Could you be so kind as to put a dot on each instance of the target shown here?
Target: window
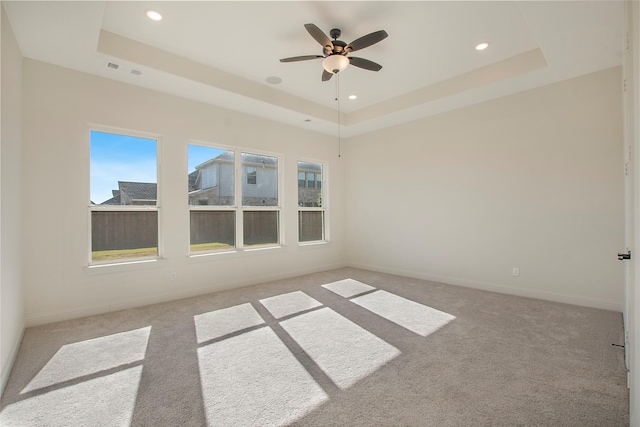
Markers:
(260, 203)
(123, 201)
(217, 223)
(252, 175)
(311, 212)
(211, 189)
(310, 180)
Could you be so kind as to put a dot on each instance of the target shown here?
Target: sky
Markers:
(126, 158)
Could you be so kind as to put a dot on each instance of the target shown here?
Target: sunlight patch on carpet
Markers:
(287, 304)
(216, 324)
(345, 352)
(104, 401)
(253, 379)
(416, 317)
(88, 357)
(348, 287)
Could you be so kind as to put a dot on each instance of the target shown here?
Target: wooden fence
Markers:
(213, 227)
(310, 225)
(123, 230)
(112, 230)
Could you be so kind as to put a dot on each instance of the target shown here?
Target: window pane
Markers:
(117, 235)
(124, 170)
(212, 230)
(260, 228)
(308, 196)
(310, 225)
(301, 178)
(262, 190)
(211, 176)
(252, 175)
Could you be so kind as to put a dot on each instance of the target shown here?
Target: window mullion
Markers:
(239, 203)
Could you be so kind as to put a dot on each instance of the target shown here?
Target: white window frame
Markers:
(238, 207)
(215, 208)
(128, 208)
(242, 209)
(325, 201)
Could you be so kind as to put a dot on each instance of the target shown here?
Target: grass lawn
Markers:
(118, 254)
(215, 246)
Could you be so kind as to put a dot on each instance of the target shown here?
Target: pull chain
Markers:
(338, 100)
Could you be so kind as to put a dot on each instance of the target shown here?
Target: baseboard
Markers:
(6, 369)
(58, 316)
(492, 287)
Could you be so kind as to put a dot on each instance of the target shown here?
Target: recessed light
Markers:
(274, 80)
(353, 96)
(153, 15)
(482, 46)
(307, 120)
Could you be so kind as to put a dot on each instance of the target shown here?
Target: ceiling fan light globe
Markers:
(335, 63)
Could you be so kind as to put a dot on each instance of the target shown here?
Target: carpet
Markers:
(346, 347)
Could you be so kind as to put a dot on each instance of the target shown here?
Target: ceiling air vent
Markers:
(124, 68)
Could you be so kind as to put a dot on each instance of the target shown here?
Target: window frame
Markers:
(238, 207)
(324, 197)
(242, 208)
(127, 208)
(252, 174)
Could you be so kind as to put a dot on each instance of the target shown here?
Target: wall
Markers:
(631, 68)
(11, 302)
(59, 105)
(533, 181)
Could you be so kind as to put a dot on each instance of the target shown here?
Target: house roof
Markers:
(115, 200)
(129, 191)
(138, 190)
(247, 159)
(308, 166)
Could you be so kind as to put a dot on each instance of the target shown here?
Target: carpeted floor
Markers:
(345, 348)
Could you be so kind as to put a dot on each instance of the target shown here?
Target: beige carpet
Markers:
(345, 348)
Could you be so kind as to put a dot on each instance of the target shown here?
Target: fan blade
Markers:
(364, 63)
(301, 58)
(366, 41)
(326, 76)
(320, 37)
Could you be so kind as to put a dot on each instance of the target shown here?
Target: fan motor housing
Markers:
(338, 47)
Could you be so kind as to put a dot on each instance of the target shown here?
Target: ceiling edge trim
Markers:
(136, 52)
(506, 69)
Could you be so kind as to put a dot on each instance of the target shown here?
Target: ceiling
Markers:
(222, 52)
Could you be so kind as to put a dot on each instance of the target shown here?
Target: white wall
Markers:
(11, 302)
(58, 106)
(533, 181)
(632, 137)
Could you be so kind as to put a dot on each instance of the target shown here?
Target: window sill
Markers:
(96, 269)
(316, 244)
(210, 256)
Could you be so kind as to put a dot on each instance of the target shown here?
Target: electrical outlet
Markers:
(516, 271)
(173, 275)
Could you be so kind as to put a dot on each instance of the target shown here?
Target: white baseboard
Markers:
(492, 287)
(58, 316)
(8, 366)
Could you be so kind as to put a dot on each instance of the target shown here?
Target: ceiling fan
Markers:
(335, 52)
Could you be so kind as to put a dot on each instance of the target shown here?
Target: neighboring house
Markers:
(212, 184)
(309, 184)
(212, 181)
(134, 193)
